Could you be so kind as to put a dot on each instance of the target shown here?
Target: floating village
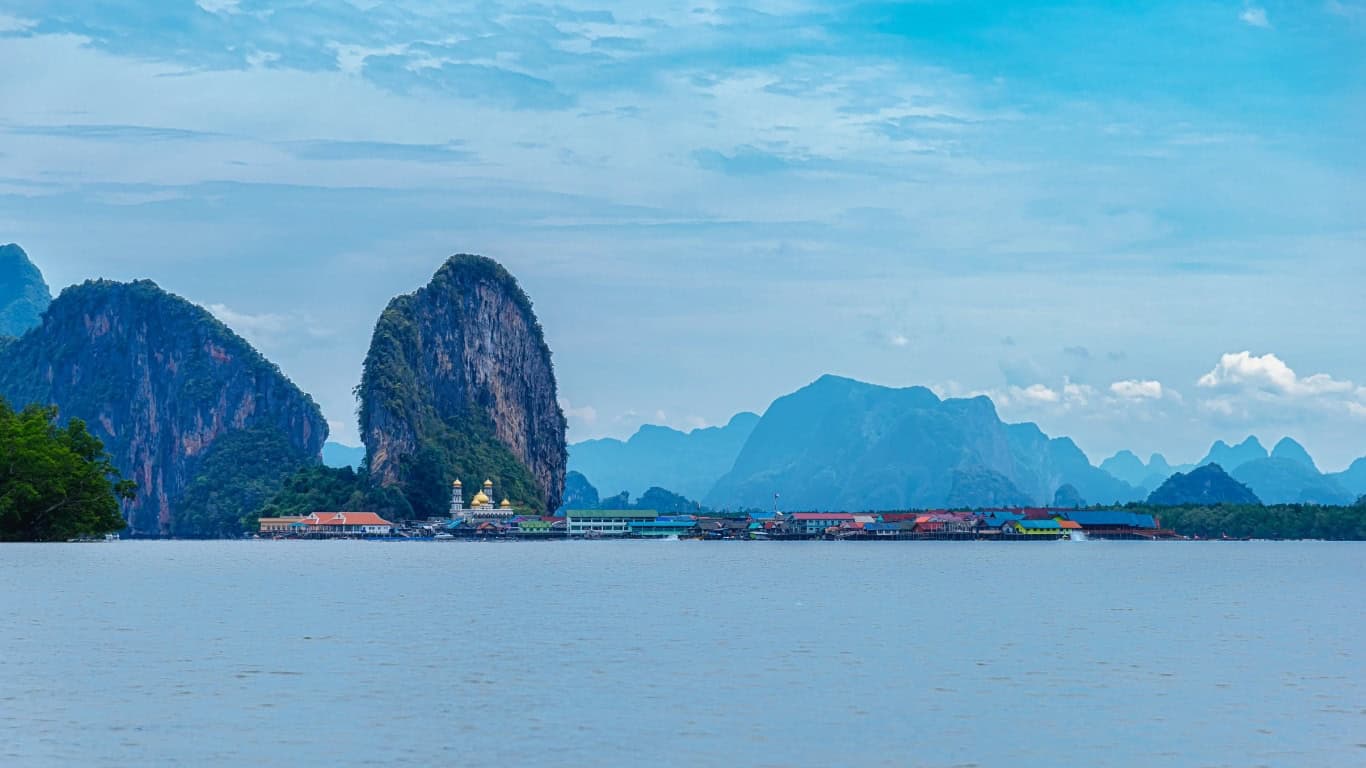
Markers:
(482, 518)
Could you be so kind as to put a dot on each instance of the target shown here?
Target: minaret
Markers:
(457, 498)
(488, 491)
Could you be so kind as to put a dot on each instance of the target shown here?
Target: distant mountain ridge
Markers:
(1230, 457)
(338, 456)
(24, 294)
(1291, 481)
(688, 463)
(1127, 466)
(843, 444)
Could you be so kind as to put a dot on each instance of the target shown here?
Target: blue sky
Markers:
(1087, 210)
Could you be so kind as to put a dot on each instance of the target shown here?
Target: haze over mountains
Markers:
(684, 462)
(843, 444)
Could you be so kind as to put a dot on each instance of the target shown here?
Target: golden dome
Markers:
(479, 499)
(456, 484)
(506, 504)
(488, 483)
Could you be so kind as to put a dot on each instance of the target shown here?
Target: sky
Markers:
(1138, 224)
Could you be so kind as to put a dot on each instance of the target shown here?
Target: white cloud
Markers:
(1356, 409)
(15, 24)
(898, 340)
(1269, 374)
(219, 6)
(267, 329)
(1077, 394)
(1255, 17)
(580, 416)
(1135, 389)
(1036, 393)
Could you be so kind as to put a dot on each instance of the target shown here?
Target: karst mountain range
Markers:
(458, 382)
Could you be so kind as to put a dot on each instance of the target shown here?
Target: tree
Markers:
(56, 483)
(317, 488)
(242, 471)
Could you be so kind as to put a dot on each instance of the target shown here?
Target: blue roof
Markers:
(1040, 525)
(761, 515)
(1112, 517)
(881, 527)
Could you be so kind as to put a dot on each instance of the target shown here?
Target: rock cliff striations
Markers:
(163, 384)
(458, 382)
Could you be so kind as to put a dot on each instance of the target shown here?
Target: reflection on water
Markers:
(699, 653)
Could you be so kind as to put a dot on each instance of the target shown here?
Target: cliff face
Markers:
(160, 381)
(23, 292)
(458, 382)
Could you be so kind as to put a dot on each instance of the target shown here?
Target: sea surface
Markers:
(683, 653)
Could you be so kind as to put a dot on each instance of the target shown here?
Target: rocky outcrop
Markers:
(458, 383)
(160, 382)
(23, 292)
(1206, 484)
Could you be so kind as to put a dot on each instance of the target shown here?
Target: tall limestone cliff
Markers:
(459, 383)
(23, 292)
(164, 385)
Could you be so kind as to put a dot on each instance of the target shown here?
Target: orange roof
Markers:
(1069, 524)
(349, 518)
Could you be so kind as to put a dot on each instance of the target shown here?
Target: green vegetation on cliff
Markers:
(458, 383)
(242, 471)
(160, 382)
(1207, 484)
(56, 482)
(325, 489)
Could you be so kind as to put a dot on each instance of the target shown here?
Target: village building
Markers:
(815, 523)
(343, 524)
(663, 526)
(605, 522)
(278, 525)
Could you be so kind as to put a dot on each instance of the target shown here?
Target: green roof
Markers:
(639, 514)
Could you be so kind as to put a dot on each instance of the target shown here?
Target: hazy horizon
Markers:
(1138, 226)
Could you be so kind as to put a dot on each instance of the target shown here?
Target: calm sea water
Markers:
(683, 653)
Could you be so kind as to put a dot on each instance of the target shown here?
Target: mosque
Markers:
(481, 506)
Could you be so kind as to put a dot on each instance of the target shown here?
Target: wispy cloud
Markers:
(1134, 389)
(110, 133)
(1254, 16)
(451, 152)
(268, 329)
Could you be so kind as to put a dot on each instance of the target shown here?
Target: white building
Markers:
(605, 522)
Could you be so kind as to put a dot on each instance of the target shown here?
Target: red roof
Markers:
(823, 516)
(347, 518)
(1069, 524)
